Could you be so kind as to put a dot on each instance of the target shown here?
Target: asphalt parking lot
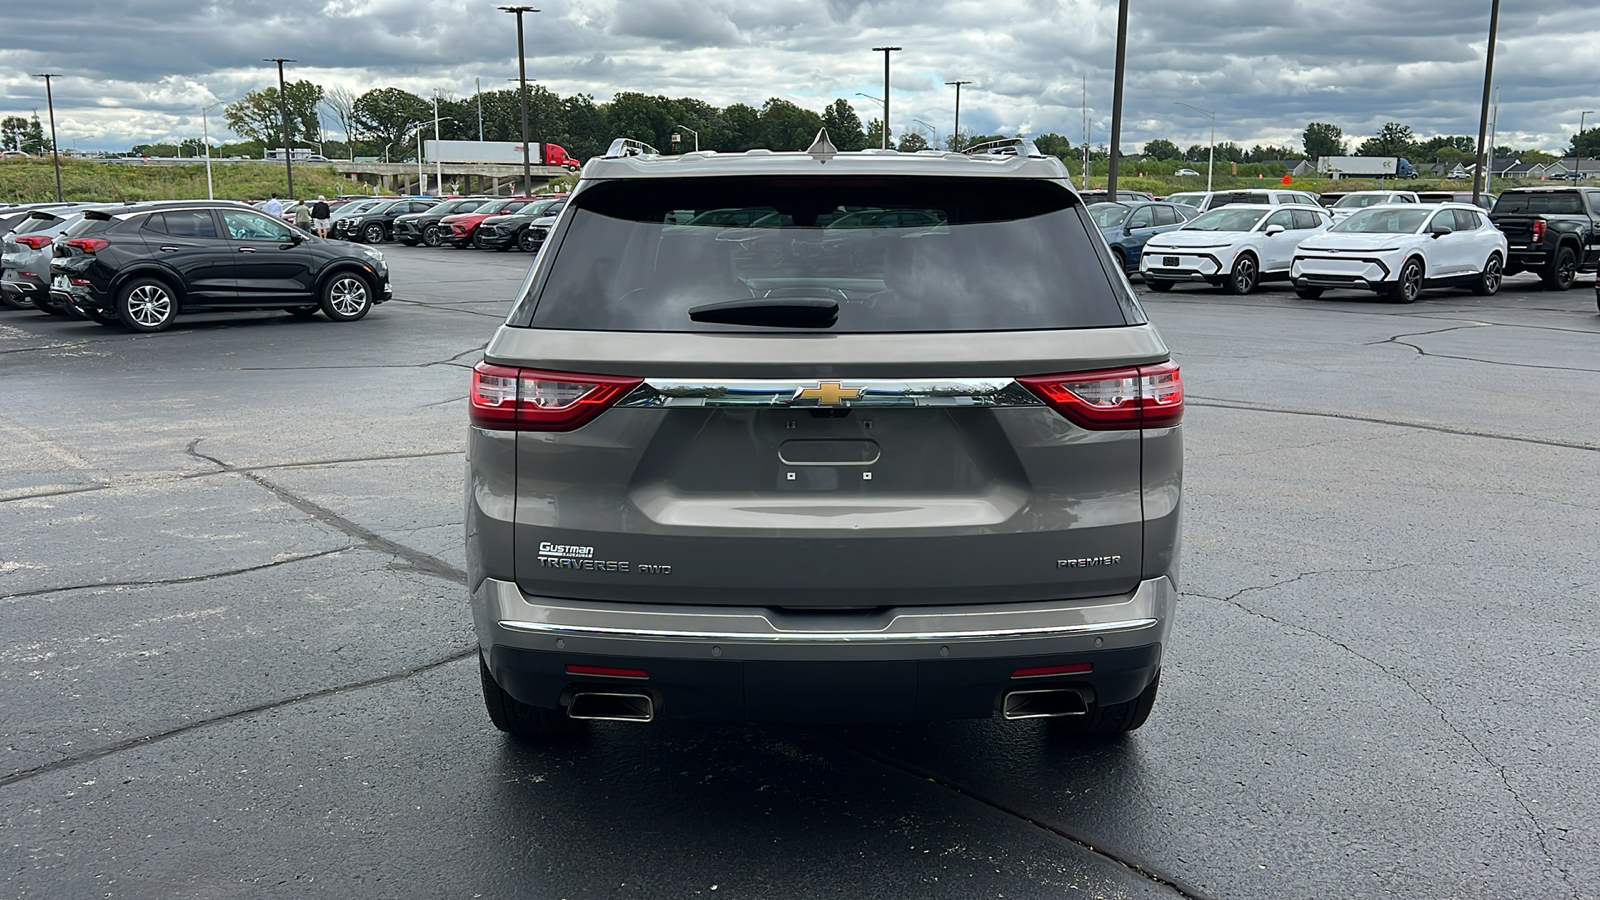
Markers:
(236, 654)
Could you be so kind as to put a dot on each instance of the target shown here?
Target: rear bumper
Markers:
(23, 291)
(756, 663)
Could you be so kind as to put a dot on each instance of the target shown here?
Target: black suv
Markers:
(377, 225)
(142, 265)
(412, 229)
(515, 229)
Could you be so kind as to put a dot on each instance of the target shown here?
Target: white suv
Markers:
(1399, 249)
(1235, 247)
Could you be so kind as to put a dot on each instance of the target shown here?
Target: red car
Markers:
(461, 230)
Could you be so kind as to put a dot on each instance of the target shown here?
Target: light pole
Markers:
(55, 152)
(1116, 99)
(283, 110)
(956, 135)
(205, 130)
(885, 51)
(931, 130)
(522, 76)
(877, 100)
(1483, 117)
(438, 158)
(691, 131)
(1211, 155)
(1577, 157)
(479, 83)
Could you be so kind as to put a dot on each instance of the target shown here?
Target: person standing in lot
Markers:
(320, 215)
(274, 206)
(302, 216)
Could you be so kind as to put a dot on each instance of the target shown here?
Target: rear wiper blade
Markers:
(773, 312)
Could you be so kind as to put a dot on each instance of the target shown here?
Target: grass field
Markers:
(30, 181)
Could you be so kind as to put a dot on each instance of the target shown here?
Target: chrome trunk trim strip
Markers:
(869, 393)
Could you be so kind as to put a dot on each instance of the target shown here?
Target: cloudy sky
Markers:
(140, 70)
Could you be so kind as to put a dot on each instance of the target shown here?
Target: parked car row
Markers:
(141, 265)
(486, 223)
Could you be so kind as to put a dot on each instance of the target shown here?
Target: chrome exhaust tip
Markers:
(610, 707)
(1044, 703)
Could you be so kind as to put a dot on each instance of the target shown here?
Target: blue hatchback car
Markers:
(1128, 226)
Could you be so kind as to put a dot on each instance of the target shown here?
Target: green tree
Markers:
(384, 116)
(1161, 148)
(34, 140)
(1433, 145)
(844, 126)
(258, 117)
(875, 133)
(12, 130)
(1532, 157)
(1585, 143)
(1393, 139)
(744, 126)
(1052, 144)
(785, 126)
(1323, 139)
(912, 141)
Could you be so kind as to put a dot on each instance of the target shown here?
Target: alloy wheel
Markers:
(149, 305)
(347, 295)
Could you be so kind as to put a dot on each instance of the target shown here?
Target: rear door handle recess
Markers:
(247, 249)
(169, 249)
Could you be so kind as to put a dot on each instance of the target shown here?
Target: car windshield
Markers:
(1192, 200)
(1360, 201)
(1226, 220)
(910, 254)
(1108, 215)
(459, 206)
(1384, 221)
(1555, 202)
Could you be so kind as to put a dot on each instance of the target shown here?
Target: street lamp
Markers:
(283, 110)
(885, 51)
(691, 131)
(956, 135)
(205, 130)
(522, 76)
(1211, 155)
(1483, 116)
(55, 152)
(931, 130)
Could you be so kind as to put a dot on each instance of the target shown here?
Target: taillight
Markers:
(1135, 397)
(88, 245)
(515, 399)
(1538, 231)
(34, 241)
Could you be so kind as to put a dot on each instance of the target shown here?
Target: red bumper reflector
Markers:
(1068, 669)
(606, 671)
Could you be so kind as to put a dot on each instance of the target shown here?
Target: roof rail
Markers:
(629, 147)
(1017, 146)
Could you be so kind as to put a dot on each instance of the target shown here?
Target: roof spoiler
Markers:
(629, 147)
(1017, 146)
(100, 214)
(42, 214)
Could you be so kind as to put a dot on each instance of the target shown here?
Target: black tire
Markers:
(409, 243)
(303, 312)
(517, 718)
(372, 234)
(1562, 271)
(46, 304)
(1120, 257)
(430, 236)
(346, 297)
(1159, 285)
(526, 242)
(147, 305)
(1308, 293)
(104, 318)
(1108, 723)
(1245, 277)
(1407, 285)
(11, 301)
(477, 241)
(1489, 280)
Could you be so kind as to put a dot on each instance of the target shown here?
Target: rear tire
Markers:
(1562, 271)
(10, 301)
(1408, 287)
(1108, 723)
(517, 718)
(104, 318)
(303, 312)
(1308, 293)
(1245, 276)
(147, 305)
(1159, 285)
(1489, 279)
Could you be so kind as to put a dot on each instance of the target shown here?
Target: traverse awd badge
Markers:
(827, 393)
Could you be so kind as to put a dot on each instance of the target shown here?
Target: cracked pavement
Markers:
(236, 655)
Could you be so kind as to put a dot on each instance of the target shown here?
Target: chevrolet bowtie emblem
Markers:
(827, 393)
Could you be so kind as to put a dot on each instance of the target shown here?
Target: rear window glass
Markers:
(889, 254)
(88, 225)
(38, 222)
(1557, 203)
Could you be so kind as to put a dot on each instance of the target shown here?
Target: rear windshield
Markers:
(37, 222)
(889, 254)
(1563, 203)
(88, 225)
(1231, 197)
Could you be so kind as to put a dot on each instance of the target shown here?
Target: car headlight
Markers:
(372, 254)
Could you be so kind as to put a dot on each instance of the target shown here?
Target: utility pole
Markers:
(522, 76)
(205, 131)
(956, 135)
(1494, 126)
(479, 82)
(283, 109)
(1483, 117)
(1211, 155)
(885, 51)
(55, 151)
(1116, 98)
(438, 158)
(1086, 132)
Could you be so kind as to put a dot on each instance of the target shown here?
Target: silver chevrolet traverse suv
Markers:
(902, 446)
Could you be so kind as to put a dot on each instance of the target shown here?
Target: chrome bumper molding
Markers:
(869, 393)
(1139, 610)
